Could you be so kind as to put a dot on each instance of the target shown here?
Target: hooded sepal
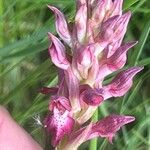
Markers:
(57, 53)
(61, 25)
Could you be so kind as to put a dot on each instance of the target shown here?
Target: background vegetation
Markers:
(25, 67)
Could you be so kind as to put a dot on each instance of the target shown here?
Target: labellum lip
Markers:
(58, 125)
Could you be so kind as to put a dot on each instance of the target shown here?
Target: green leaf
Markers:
(140, 46)
(129, 3)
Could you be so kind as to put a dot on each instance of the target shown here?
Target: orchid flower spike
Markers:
(85, 53)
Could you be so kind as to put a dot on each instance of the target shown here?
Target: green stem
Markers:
(93, 143)
(1, 23)
(1, 44)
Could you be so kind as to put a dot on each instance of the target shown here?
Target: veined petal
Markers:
(81, 22)
(61, 25)
(108, 126)
(115, 27)
(118, 59)
(121, 26)
(57, 52)
(122, 82)
(47, 90)
(93, 72)
(58, 125)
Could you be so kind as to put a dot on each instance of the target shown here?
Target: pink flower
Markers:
(94, 50)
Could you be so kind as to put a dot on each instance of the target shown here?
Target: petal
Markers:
(122, 82)
(61, 25)
(58, 125)
(121, 26)
(47, 90)
(92, 97)
(107, 29)
(73, 89)
(57, 53)
(81, 22)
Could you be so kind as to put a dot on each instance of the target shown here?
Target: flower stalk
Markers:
(90, 49)
(93, 142)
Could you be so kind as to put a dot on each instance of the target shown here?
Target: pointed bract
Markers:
(123, 82)
(108, 126)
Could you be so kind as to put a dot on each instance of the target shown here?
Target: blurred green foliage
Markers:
(25, 67)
